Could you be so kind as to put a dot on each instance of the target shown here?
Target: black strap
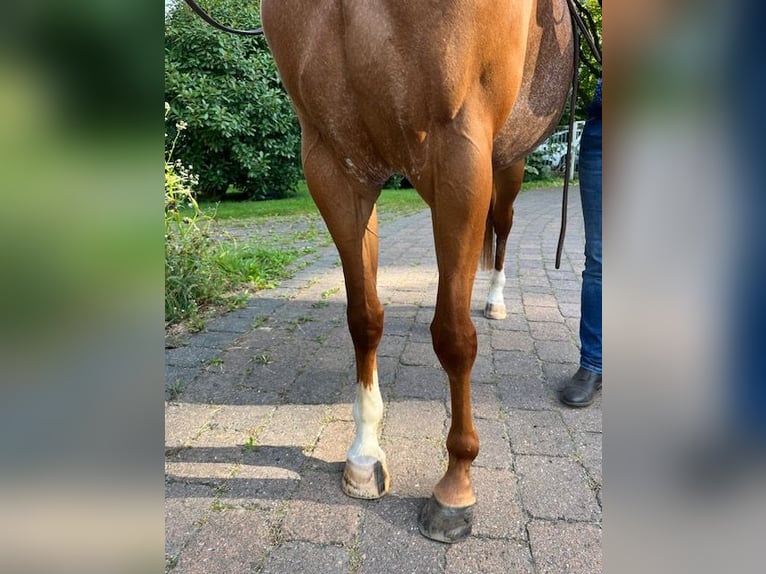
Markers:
(216, 24)
(570, 138)
(588, 30)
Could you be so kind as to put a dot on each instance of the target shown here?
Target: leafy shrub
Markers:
(546, 162)
(189, 279)
(242, 131)
(397, 181)
(201, 270)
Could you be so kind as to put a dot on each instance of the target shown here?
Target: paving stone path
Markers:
(258, 420)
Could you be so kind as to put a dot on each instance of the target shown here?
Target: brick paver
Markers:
(258, 420)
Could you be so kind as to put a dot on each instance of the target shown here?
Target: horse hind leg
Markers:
(507, 184)
(348, 208)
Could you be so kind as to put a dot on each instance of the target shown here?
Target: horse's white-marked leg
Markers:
(507, 185)
(366, 474)
(348, 207)
(495, 307)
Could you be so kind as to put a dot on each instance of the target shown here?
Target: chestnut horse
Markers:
(451, 94)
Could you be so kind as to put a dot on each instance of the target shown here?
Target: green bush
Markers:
(202, 270)
(190, 280)
(241, 129)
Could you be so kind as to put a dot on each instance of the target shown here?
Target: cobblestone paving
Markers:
(258, 420)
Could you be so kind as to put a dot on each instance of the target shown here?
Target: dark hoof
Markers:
(443, 523)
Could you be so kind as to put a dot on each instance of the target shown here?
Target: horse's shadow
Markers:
(265, 476)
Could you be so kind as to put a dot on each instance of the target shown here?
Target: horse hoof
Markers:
(444, 523)
(365, 477)
(496, 312)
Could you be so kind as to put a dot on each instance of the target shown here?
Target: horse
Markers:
(453, 95)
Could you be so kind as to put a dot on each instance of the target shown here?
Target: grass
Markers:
(300, 204)
(215, 276)
(391, 201)
(394, 201)
(250, 445)
(557, 182)
(207, 276)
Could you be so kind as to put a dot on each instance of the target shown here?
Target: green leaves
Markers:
(242, 131)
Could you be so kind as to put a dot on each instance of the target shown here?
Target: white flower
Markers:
(182, 125)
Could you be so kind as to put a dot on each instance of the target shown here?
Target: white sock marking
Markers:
(368, 412)
(496, 286)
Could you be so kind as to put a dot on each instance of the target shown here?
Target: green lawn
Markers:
(391, 202)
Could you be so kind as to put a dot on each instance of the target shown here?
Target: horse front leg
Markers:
(462, 190)
(365, 474)
(507, 187)
(348, 208)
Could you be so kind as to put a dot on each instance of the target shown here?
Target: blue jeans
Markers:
(590, 195)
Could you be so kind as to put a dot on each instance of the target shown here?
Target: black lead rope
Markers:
(578, 27)
(570, 138)
(216, 24)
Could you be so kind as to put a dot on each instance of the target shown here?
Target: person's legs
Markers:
(590, 195)
(579, 392)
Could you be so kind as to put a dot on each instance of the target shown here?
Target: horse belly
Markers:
(545, 84)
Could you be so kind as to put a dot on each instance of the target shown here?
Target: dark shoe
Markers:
(580, 391)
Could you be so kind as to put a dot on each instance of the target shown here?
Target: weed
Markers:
(276, 533)
(307, 235)
(355, 556)
(330, 292)
(237, 301)
(174, 390)
(170, 563)
(220, 489)
(319, 304)
(258, 322)
(293, 324)
(250, 445)
(219, 506)
(201, 270)
(263, 359)
(196, 324)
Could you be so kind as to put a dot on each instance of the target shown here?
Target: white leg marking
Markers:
(495, 307)
(368, 412)
(365, 474)
(496, 286)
